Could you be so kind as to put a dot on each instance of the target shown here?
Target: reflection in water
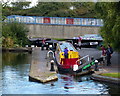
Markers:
(73, 86)
(67, 81)
(15, 80)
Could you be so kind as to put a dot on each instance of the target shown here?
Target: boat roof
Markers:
(51, 41)
(64, 44)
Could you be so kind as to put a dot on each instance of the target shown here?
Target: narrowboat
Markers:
(72, 63)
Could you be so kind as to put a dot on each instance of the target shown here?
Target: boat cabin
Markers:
(73, 55)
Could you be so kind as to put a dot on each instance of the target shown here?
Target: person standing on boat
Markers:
(66, 52)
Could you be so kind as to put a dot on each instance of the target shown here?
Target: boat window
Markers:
(68, 45)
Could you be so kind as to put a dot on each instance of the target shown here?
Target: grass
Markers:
(114, 75)
(59, 39)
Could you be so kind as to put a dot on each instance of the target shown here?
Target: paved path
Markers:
(115, 63)
(115, 66)
(90, 51)
(40, 67)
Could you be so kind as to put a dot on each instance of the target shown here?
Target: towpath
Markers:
(40, 67)
(115, 66)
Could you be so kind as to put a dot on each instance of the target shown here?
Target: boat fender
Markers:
(75, 67)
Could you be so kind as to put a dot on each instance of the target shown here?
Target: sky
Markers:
(34, 2)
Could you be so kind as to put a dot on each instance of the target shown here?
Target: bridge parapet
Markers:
(55, 20)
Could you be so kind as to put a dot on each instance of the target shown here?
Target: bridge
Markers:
(58, 27)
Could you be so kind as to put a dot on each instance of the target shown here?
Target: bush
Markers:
(14, 33)
(8, 42)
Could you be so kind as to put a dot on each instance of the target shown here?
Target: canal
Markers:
(15, 80)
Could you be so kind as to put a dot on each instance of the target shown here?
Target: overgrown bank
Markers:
(109, 12)
(14, 35)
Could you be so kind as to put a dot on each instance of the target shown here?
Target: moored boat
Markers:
(72, 63)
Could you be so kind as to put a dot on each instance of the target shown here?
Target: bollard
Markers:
(52, 65)
(42, 47)
(47, 46)
(47, 64)
(92, 58)
(96, 65)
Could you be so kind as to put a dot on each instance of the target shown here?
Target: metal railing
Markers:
(87, 56)
(55, 20)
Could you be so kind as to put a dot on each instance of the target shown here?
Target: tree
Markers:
(14, 33)
(5, 10)
(62, 9)
(53, 9)
(84, 9)
(47, 8)
(17, 8)
(110, 14)
(20, 5)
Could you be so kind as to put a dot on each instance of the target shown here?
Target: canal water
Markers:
(15, 80)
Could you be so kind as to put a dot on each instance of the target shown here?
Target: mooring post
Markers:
(42, 47)
(92, 58)
(52, 65)
(96, 65)
(47, 46)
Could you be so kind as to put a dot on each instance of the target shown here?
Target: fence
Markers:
(55, 20)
